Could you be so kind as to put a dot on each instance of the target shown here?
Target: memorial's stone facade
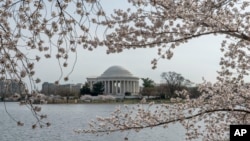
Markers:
(117, 81)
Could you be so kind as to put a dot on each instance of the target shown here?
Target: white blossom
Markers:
(161, 24)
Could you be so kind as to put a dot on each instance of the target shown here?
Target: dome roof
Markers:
(116, 71)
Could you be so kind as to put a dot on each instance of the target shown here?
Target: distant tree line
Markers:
(173, 82)
(167, 90)
(98, 88)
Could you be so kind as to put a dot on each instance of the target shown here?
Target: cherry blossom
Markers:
(37, 27)
(167, 25)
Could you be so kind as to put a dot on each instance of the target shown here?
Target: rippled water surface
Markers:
(67, 117)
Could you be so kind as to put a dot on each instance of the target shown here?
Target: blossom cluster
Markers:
(33, 30)
(166, 25)
(219, 106)
(30, 30)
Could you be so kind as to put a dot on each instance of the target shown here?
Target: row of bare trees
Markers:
(173, 82)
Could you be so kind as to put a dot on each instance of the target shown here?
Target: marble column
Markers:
(119, 86)
(104, 82)
(137, 87)
(123, 87)
(116, 87)
(113, 86)
(107, 87)
(128, 89)
(133, 84)
(132, 88)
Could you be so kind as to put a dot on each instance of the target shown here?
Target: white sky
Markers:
(194, 60)
(197, 59)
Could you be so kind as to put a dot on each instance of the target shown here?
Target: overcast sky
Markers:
(197, 59)
(194, 60)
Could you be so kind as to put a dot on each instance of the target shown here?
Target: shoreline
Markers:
(125, 101)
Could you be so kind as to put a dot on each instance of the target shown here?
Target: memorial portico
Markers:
(117, 81)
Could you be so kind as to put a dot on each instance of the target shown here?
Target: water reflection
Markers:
(65, 118)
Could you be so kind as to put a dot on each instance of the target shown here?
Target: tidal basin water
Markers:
(67, 117)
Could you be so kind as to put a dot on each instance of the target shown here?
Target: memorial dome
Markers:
(117, 81)
(116, 71)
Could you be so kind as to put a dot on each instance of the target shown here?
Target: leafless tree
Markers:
(174, 82)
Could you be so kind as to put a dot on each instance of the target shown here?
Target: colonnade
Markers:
(120, 86)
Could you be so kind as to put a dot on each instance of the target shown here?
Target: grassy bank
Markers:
(123, 101)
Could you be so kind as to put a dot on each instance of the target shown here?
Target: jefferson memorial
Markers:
(117, 81)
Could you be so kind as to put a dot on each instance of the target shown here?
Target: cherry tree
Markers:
(31, 30)
(166, 25)
(34, 30)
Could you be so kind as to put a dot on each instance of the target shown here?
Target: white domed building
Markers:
(117, 81)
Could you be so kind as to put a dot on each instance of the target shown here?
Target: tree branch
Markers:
(176, 120)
